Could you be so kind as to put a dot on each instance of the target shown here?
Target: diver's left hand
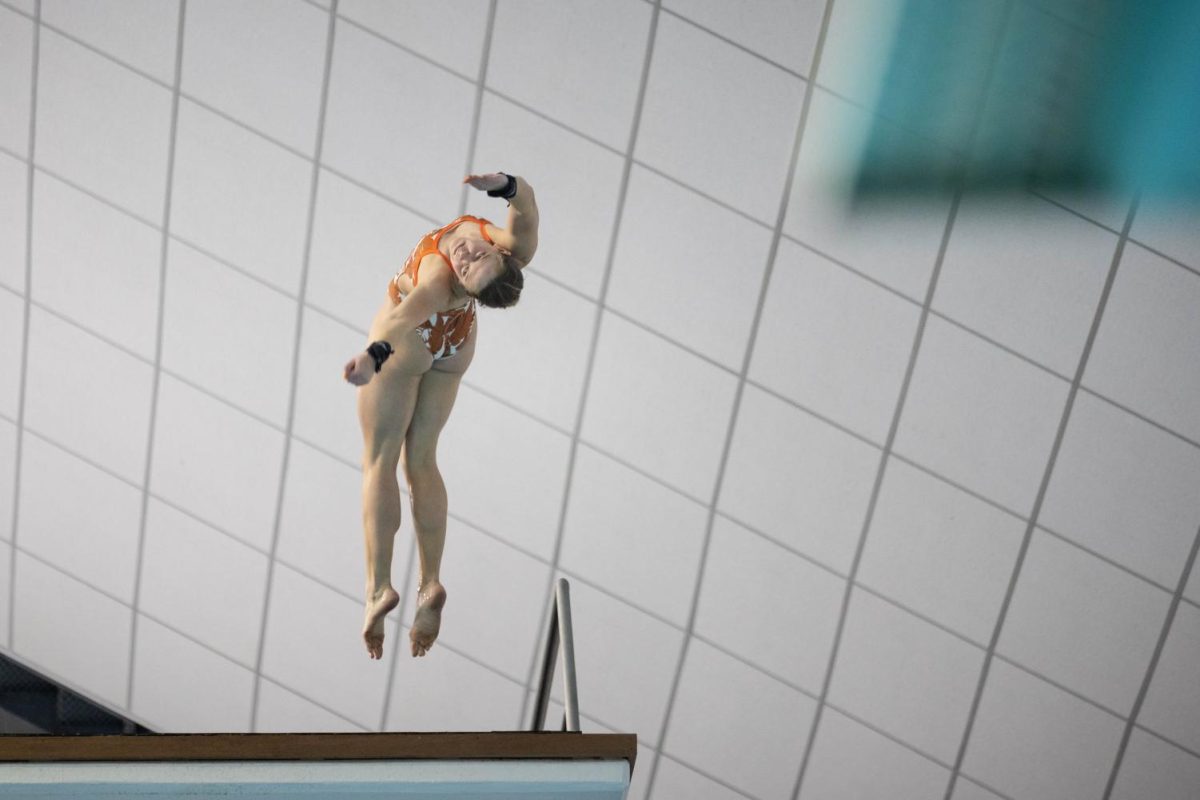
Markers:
(487, 182)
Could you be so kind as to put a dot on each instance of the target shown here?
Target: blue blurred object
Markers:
(1089, 95)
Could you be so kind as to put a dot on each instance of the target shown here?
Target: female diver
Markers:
(420, 345)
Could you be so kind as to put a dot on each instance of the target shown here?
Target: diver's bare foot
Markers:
(378, 606)
(428, 619)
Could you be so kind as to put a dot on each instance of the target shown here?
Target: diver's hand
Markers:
(359, 370)
(488, 182)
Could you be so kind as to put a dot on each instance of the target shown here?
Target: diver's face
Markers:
(476, 263)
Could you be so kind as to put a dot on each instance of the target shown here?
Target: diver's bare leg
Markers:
(385, 409)
(439, 387)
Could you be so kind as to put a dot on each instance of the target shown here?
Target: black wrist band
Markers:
(508, 191)
(380, 352)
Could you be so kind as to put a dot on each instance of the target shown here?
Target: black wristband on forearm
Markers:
(380, 352)
(508, 191)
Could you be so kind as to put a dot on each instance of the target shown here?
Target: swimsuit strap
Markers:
(436, 237)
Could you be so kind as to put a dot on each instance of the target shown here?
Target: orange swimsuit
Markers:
(445, 331)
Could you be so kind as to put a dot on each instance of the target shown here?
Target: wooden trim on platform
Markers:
(321, 747)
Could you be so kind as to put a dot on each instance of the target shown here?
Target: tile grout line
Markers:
(918, 338)
(1130, 240)
(477, 114)
(1144, 690)
(593, 585)
(295, 371)
(1037, 504)
(1033, 192)
(885, 457)
(20, 422)
(740, 389)
(156, 370)
(593, 348)
(406, 585)
(211, 394)
(92, 695)
(245, 273)
(582, 579)
(766, 536)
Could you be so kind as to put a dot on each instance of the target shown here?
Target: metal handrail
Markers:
(559, 630)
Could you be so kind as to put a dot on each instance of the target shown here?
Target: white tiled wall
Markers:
(721, 408)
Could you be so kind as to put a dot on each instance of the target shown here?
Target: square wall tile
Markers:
(618, 647)
(747, 729)
(1033, 740)
(218, 694)
(797, 479)
(1172, 707)
(8, 477)
(833, 342)
(320, 524)
(905, 676)
(675, 425)
(709, 103)
(746, 576)
(980, 417)
(577, 42)
(216, 463)
(673, 779)
(1125, 489)
(102, 126)
(1169, 226)
(239, 197)
(1027, 275)
(281, 710)
(96, 265)
(535, 355)
(504, 471)
(494, 598)
(397, 123)
(359, 243)
(70, 632)
(12, 349)
(16, 80)
(636, 538)
(14, 197)
(1147, 352)
(112, 426)
(1154, 768)
(142, 33)
(460, 694)
(939, 551)
(450, 33)
(326, 412)
(783, 31)
(1083, 623)
(573, 246)
(78, 518)
(202, 582)
(263, 63)
(314, 647)
(851, 760)
(679, 285)
(215, 324)
(894, 245)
